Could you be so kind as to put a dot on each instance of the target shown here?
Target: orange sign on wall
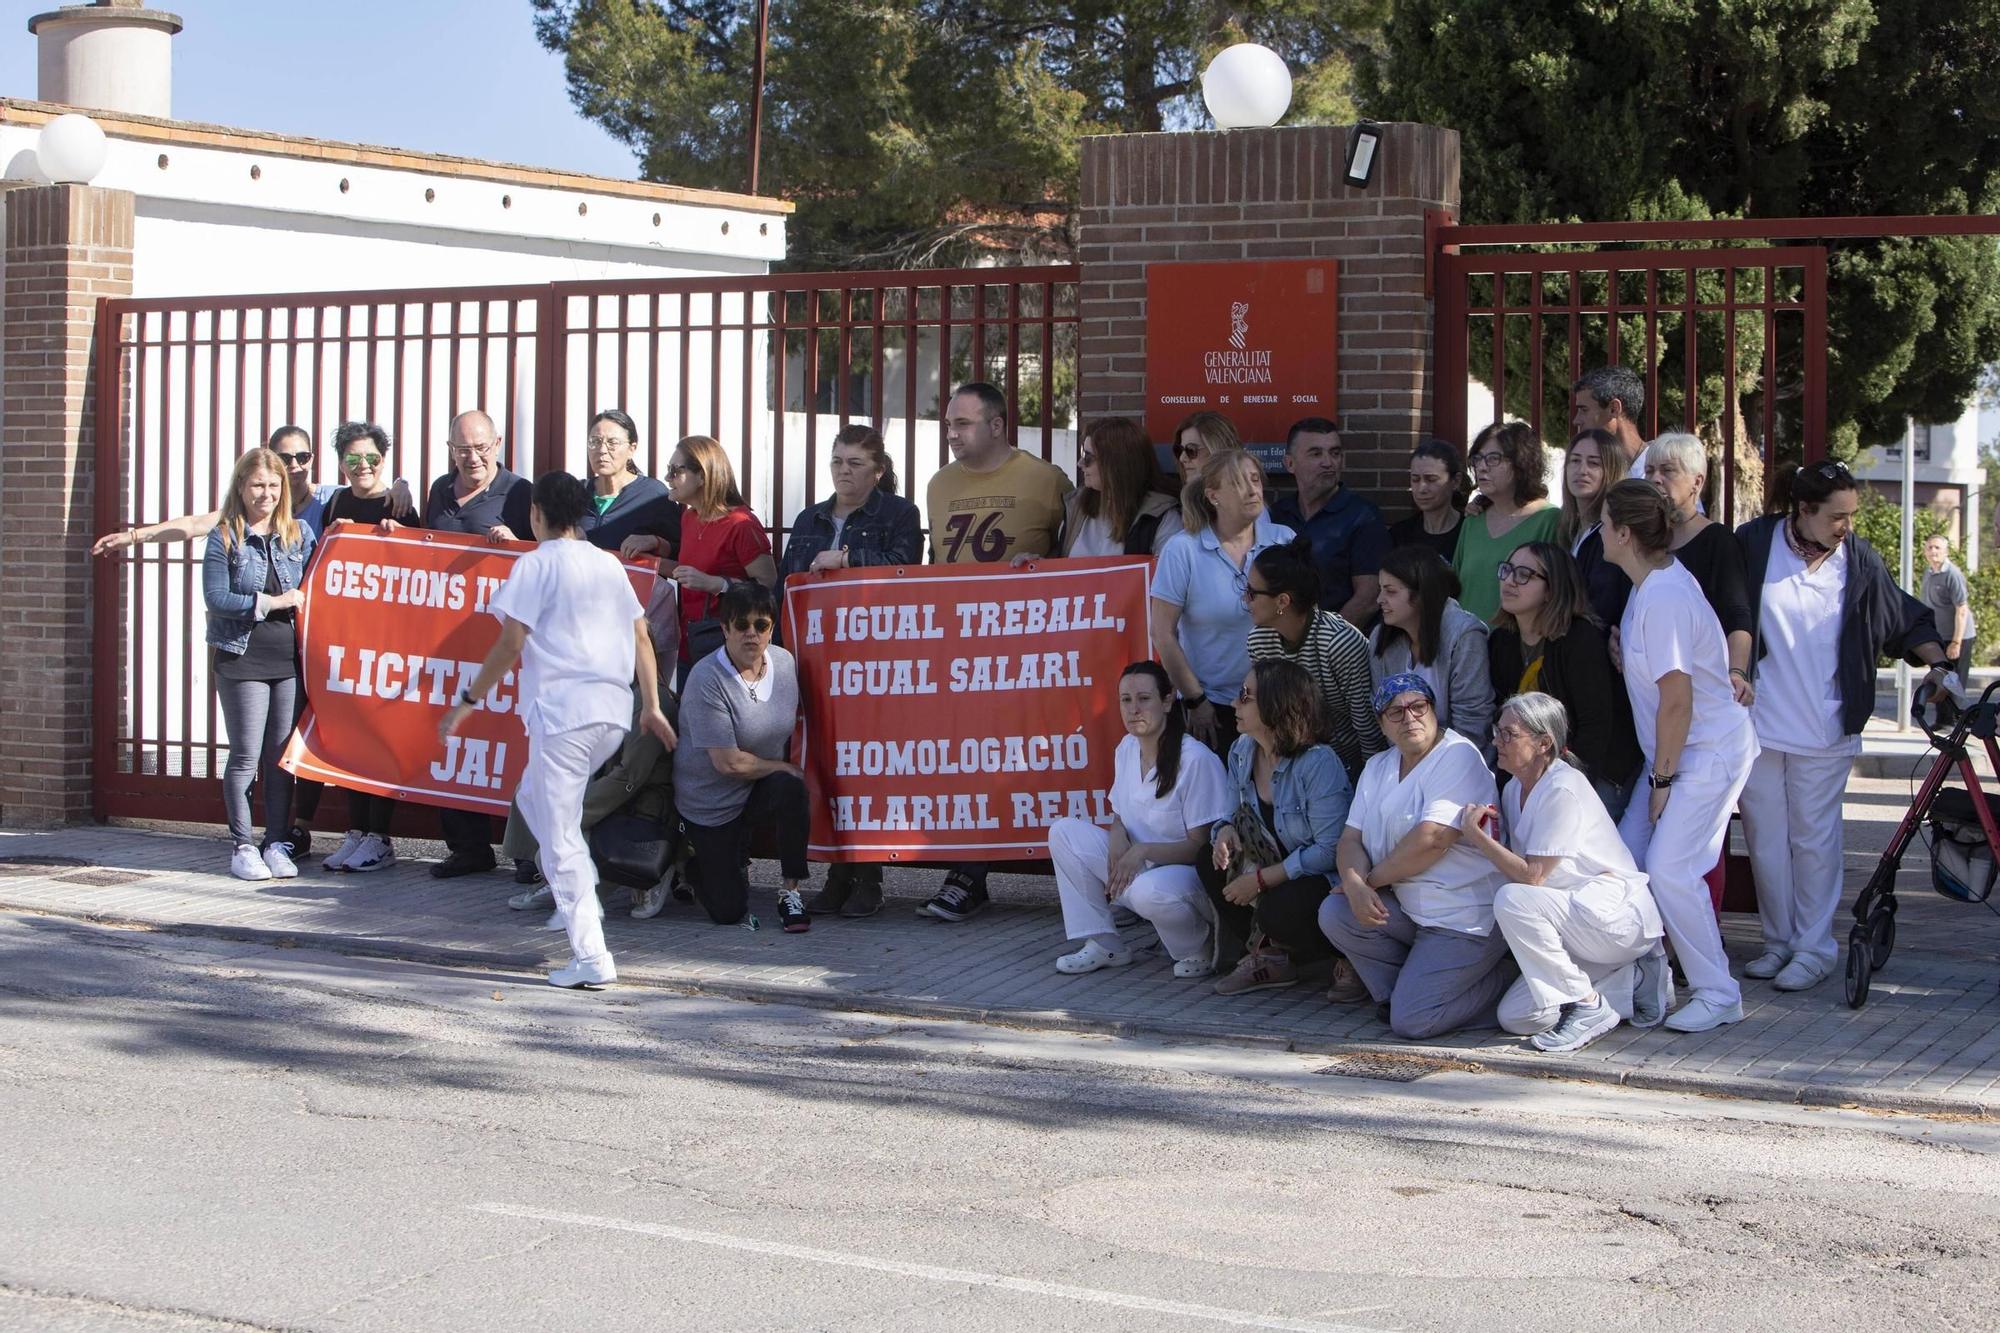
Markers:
(1256, 341)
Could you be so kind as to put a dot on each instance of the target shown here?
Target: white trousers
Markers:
(550, 798)
(1170, 897)
(1792, 821)
(1684, 846)
(1566, 950)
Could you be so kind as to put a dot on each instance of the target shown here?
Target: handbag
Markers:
(633, 850)
(1256, 847)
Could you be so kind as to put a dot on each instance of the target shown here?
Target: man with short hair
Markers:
(1347, 533)
(479, 496)
(1611, 399)
(1946, 594)
(991, 503)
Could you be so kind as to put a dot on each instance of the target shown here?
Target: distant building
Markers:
(1947, 471)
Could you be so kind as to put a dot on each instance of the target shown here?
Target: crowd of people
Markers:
(1474, 768)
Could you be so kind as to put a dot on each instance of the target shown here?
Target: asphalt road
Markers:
(212, 1136)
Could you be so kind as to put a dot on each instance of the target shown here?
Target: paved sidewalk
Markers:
(1928, 1040)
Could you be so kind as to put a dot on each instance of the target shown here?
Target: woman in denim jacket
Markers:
(1283, 784)
(250, 580)
(864, 521)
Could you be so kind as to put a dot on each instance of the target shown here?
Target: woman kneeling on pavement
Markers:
(1168, 790)
(1415, 910)
(1575, 910)
(1271, 858)
(731, 776)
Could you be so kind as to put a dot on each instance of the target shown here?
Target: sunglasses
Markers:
(302, 459)
(682, 470)
(1190, 452)
(1416, 708)
(1518, 574)
(1832, 470)
(745, 625)
(361, 460)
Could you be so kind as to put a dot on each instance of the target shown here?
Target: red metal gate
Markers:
(772, 365)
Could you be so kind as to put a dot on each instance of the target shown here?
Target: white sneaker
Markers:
(278, 860)
(648, 902)
(1766, 965)
(1699, 1015)
(529, 899)
(1652, 987)
(1091, 957)
(577, 975)
(338, 858)
(248, 864)
(374, 853)
(1805, 971)
(555, 922)
(1581, 1024)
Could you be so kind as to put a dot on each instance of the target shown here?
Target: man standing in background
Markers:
(1949, 599)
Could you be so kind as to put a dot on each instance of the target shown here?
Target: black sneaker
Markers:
(866, 900)
(526, 871)
(299, 839)
(792, 913)
(463, 863)
(960, 897)
(839, 886)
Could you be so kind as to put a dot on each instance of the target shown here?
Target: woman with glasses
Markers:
(623, 500)
(1200, 435)
(569, 618)
(1576, 912)
(1115, 509)
(732, 776)
(1424, 630)
(1283, 597)
(1268, 868)
(1547, 640)
(864, 522)
(1593, 461)
(1414, 913)
(1823, 609)
(1437, 500)
(1201, 626)
(1696, 737)
(362, 448)
(1508, 466)
(1678, 465)
(721, 540)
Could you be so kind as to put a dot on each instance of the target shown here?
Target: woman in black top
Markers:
(1678, 465)
(623, 500)
(362, 450)
(1437, 495)
(1594, 460)
(1547, 639)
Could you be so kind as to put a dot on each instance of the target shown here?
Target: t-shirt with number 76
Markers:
(986, 517)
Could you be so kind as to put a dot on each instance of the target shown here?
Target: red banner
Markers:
(955, 712)
(392, 628)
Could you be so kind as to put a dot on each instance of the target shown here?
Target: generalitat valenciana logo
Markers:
(1241, 363)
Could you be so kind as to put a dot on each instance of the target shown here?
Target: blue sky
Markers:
(448, 76)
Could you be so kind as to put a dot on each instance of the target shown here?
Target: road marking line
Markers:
(1028, 1286)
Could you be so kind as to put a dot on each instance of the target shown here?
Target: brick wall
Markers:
(66, 246)
(1274, 194)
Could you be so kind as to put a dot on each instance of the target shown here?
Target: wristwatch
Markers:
(466, 697)
(1659, 780)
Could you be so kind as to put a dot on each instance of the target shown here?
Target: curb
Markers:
(1517, 1064)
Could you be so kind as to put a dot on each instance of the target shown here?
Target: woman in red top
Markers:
(721, 540)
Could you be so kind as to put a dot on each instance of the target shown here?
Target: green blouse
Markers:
(1479, 556)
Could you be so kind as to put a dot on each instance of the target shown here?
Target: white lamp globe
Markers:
(1246, 86)
(71, 149)
(27, 167)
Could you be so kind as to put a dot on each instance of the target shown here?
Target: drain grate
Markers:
(104, 879)
(40, 865)
(1387, 1068)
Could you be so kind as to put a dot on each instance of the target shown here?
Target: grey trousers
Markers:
(258, 717)
(1435, 981)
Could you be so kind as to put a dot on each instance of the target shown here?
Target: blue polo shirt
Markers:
(1348, 538)
(1214, 628)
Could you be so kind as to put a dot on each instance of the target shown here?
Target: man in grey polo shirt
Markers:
(1949, 599)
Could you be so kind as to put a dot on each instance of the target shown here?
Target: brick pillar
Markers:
(1274, 194)
(66, 246)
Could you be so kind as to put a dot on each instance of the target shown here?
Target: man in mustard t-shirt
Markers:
(993, 502)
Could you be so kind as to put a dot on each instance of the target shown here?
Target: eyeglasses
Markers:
(1190, 452)
(358, 461)
(1518, 574)
(470, 450)
(1086, 459)
(599, 444)
(1508, 735)
(1412, 710)
(1251, 592)
(745, 625)
(682, 469)
(1493, 459)
(301, 459)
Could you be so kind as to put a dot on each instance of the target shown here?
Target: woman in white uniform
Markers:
(1696, 737)
(1822, 608)
(569, 615)
(1167, 790)
(1575, 910)
(1414, 914)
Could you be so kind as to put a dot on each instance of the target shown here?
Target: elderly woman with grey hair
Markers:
(1678, 465)
(1576, 908)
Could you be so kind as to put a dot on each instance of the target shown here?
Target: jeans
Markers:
(776, 799)
(257, 714)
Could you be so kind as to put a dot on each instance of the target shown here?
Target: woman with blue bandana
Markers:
(1414, 914)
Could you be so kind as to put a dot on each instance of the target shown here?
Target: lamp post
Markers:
(1246, 86)
(757, 90)
(71, 149)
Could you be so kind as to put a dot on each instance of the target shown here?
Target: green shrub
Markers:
(1879, 522)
